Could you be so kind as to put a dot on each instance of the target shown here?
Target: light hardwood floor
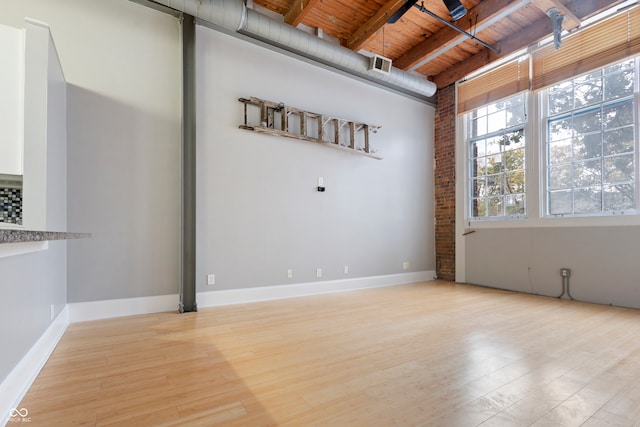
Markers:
(427, 354)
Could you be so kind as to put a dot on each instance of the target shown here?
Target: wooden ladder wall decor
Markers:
(281, 120)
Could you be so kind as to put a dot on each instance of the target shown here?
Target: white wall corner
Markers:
(16, 384)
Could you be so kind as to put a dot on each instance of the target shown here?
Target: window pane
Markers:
(494, 145)
(479, 148)
(620, 66)
(514, 159)
(494, 164)
(514, 204)
(495, 206)
(479, 126)
(587, 173)
(516, 114)
(560, 130)
(619, 141)
(560, 152)
(497, 121)
(492, 108)
(618, 197)
(479, 208)
(587, 200)
(514, 182)
(618, 81)
(617, 115)
(495, 185)
(588, 90)
(561, 98)
(587, 146)
(587, 122)
(479, 187)
(560, 202)
(513, 140)
(560, 177)
(619, 169)
(479, 167)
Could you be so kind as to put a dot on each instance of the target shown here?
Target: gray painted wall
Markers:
(259, 213)
(124, 151)
(603, 260)
(123, 167)
(122, 63)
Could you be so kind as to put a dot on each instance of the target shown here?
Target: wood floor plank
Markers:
(424, 354)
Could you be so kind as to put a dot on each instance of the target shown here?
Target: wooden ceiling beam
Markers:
(445, 38)
(526, 37)
(298, 10)
(366, 31)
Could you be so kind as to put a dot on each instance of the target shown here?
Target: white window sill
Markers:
(586, 221)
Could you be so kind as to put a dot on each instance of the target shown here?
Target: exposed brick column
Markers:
(445, 183)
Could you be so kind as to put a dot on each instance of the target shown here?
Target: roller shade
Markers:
(595, 47)
(499, 83)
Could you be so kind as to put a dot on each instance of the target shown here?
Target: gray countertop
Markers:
(19, 236)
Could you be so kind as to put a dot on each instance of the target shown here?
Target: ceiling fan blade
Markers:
(405, 7)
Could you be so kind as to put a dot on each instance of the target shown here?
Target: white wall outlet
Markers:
(346, 269)
(406, 265)
(52, 312)
(211, 279)
(318, 272)
(320, 181)
(289, 273)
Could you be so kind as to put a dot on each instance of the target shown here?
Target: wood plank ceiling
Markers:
(419, 42)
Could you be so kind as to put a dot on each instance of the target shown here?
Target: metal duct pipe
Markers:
(233, 15)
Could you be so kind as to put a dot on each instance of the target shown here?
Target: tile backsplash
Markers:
(11, 205)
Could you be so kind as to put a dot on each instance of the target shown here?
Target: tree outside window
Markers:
(591, 143)
(497, 155)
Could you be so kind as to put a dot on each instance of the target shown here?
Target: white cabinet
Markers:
(11, 100)
(33, 133)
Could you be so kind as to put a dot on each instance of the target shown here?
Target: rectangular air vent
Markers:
(380, 64)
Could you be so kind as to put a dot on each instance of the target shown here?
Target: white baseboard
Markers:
(240, 296)
(106, 309)
(16, 384)
(95, 310)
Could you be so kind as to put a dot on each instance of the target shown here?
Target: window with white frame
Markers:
(591, 147)
(497, 144)
(584, 134)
